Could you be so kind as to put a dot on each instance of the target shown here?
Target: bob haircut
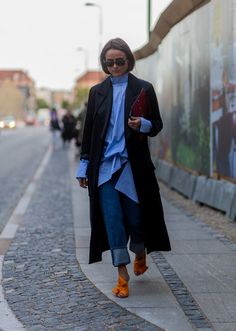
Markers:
(120, 45)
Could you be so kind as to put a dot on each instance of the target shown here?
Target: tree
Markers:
(41, 103)
(80, 97)
(65, 104)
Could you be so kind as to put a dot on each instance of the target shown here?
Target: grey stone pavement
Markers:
(48, 284)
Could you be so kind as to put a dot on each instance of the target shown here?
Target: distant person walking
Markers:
(68, 128)
(54, 128)
(80, 120)
(115, 165)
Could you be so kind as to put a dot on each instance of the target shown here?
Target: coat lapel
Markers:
(132, 92)
(103, 91)
(104, 105)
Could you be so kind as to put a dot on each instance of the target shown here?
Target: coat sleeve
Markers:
(155, 116)
(88, 126)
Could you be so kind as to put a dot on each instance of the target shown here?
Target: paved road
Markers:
(21, 151)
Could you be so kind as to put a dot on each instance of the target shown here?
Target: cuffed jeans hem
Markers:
(120, 256)
(137, 248)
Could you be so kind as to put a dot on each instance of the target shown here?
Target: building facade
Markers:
(17, 93)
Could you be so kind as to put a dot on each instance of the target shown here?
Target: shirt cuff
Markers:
(146, 125)
(82, 169)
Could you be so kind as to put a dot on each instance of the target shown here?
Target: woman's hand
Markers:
(83, 182)
(134, 123)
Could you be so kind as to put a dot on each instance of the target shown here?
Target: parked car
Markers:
(30, 118)
(8, 122)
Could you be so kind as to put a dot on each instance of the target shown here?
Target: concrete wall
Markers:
(218, 194)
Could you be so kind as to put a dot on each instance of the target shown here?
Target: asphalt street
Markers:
(21, 151)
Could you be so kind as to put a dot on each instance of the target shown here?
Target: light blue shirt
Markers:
(115, 152)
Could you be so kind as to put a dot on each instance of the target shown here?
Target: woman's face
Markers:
(116, 62)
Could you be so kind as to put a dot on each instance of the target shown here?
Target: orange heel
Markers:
(140, 265)
(122, 288)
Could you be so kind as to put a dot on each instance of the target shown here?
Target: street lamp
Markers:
(92, 4)
(81, 49)
(149, 18)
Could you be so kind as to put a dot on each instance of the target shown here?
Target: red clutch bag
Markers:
(140, 105)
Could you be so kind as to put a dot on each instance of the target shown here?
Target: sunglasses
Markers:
(119, 62)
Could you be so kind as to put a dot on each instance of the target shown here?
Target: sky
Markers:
(55, 41)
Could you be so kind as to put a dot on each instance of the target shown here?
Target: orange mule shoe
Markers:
(122, 288)
(140, 265)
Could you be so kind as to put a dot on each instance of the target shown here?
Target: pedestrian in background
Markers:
(54, 127)
(116, 166)
(68, 129)
(80, 120)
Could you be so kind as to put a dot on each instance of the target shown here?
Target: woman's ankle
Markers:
(140, 256)
(123, 272)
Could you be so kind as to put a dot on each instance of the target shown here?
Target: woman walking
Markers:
(115, 165)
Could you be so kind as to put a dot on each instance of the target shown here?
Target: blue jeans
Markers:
(116, 209)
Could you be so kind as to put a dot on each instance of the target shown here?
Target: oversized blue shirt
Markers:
(115, 153)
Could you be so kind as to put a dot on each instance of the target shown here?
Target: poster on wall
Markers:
(183, 80)
(223, 88)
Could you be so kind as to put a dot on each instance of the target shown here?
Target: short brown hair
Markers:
(120, 45)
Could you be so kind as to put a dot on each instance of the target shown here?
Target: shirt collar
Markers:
(120, 79)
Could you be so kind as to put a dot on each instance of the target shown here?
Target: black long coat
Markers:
(96, 123)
